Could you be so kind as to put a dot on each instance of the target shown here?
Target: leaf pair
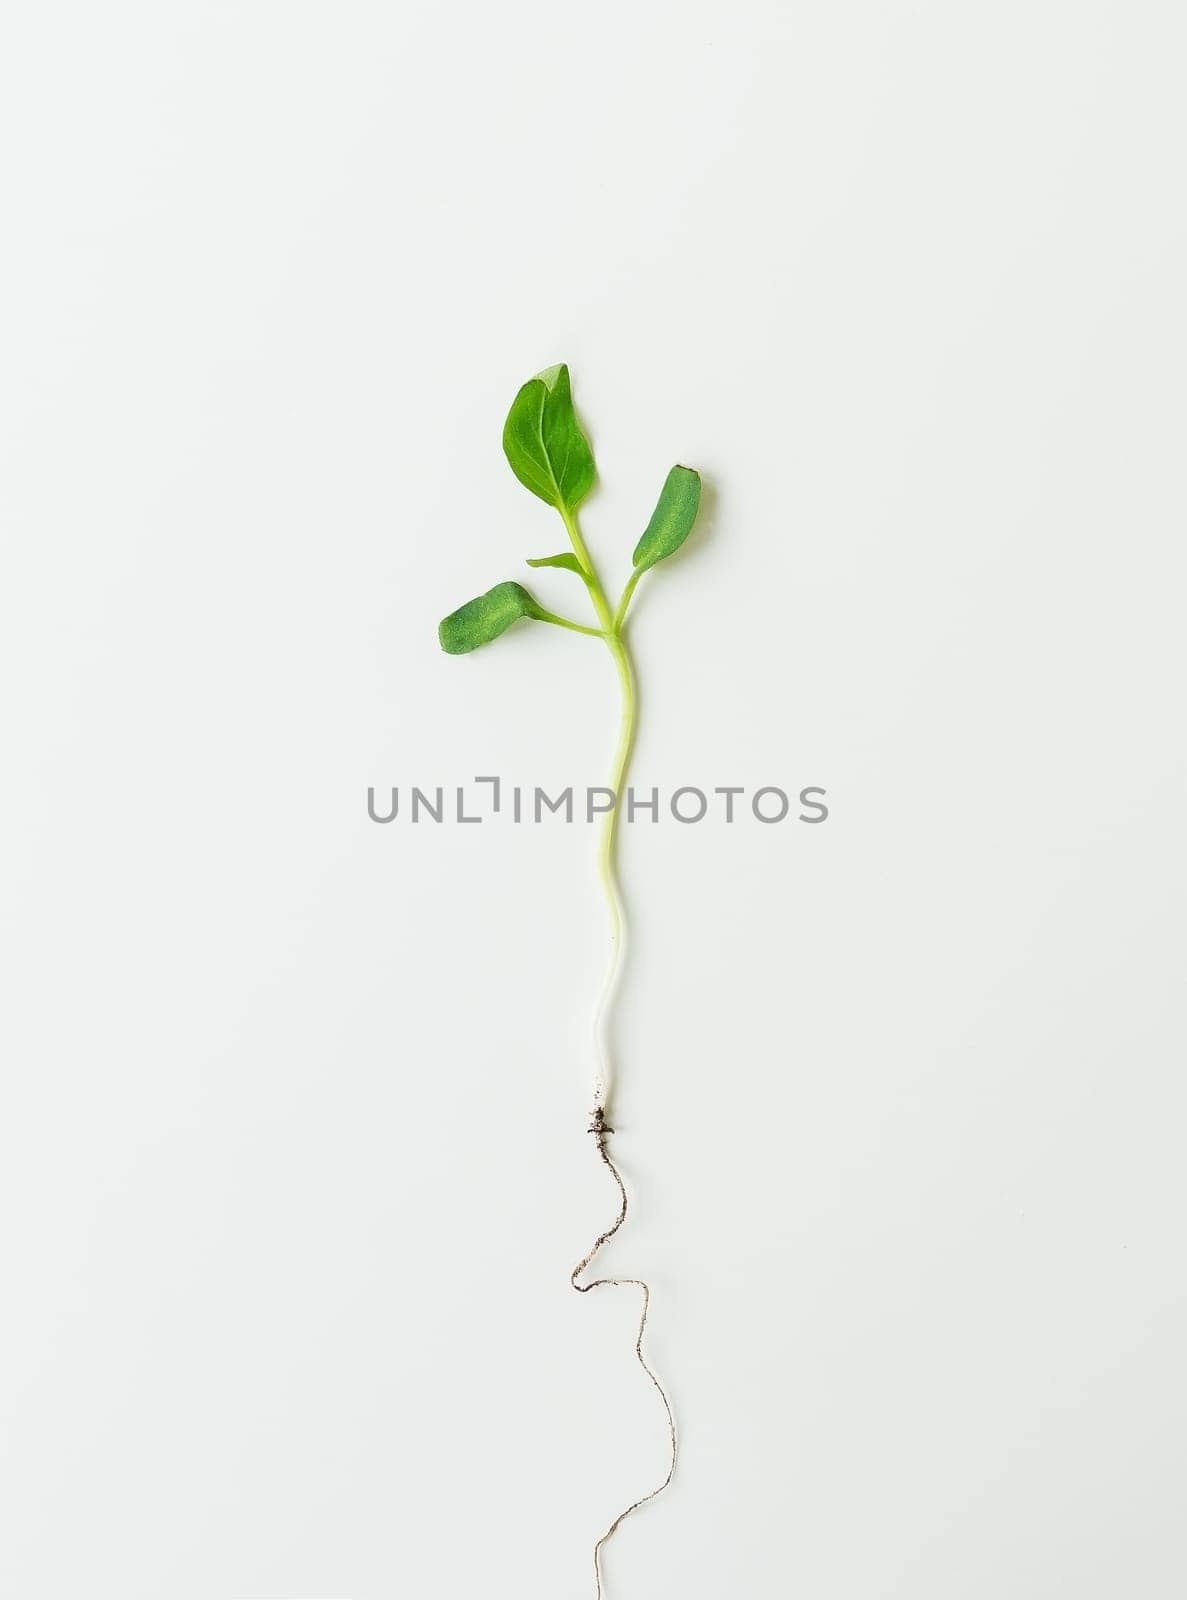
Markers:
(550, 455)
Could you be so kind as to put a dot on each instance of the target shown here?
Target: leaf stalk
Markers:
(567, 622)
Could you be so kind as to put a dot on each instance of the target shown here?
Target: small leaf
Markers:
(566, 559)
(544, 444)
(672, 520)
(481, 620)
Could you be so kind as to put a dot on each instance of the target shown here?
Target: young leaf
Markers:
(543, 441)
(672, 520)
(567, 560)
(481, 620)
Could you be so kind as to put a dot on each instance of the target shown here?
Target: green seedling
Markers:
(550, 455)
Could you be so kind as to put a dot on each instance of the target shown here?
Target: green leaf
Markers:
(543, 441)
(481, 620)
(566, 559)
(672, 520)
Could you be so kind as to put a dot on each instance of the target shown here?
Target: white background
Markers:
(294, 1164)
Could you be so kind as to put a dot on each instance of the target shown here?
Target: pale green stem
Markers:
(611, 631)
(608, 860)
(592, 582)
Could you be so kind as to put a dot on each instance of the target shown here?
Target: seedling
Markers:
(550, 455)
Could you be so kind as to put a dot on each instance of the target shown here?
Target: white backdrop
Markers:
(293, 1153)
